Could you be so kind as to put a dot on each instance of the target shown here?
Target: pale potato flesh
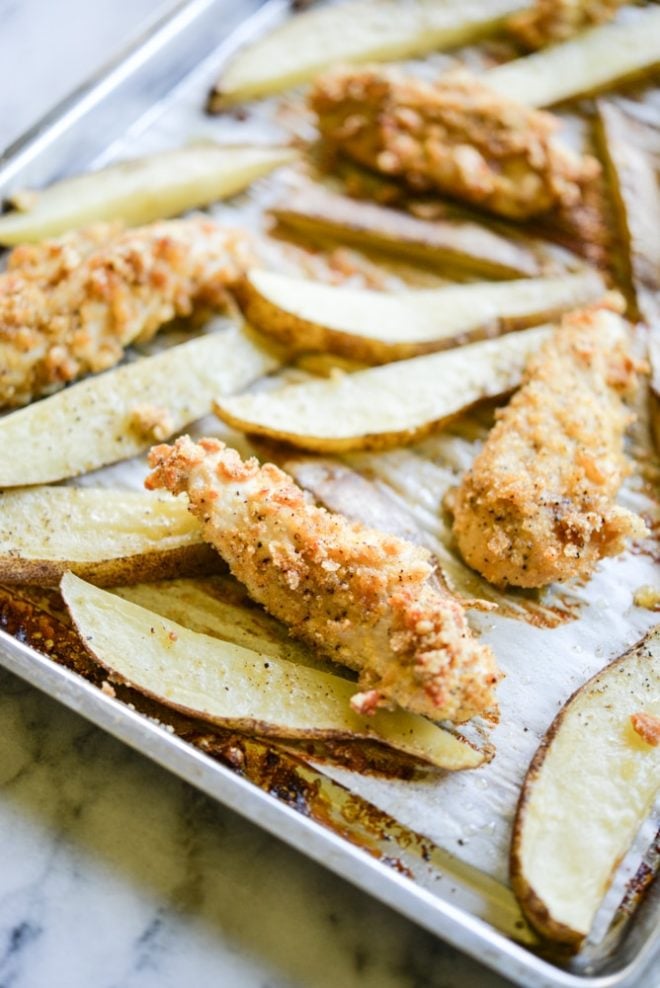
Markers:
(590, 787)
(220, 607)
(389, 405)
(138, 191)
(354, 31)
(103, 535)
(101, 420)
(231, 686)
(592, 61)
(377, 327)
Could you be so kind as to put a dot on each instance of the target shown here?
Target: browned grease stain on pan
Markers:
(39, 619)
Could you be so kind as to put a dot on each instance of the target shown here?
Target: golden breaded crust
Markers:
(538, 503)
(550, 21)
(364, 598)
(71, 305)
(456, 135)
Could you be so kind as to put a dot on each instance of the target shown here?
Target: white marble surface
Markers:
(114, 874)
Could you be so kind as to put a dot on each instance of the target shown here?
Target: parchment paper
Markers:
(467, 813)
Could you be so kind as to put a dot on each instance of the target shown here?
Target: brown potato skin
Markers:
(190, 560)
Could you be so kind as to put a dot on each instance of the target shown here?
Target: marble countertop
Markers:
(113, 873)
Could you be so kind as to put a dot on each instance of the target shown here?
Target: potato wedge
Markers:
(376, 327)
(631, 147)
(219, 606)
(385, 406)
(106, 536)
(231, 686)
(597, 59)
(354, 31)
(102, 420)
(445, 244)
(589, 788)
(154, 187)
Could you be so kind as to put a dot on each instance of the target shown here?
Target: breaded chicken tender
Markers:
(538, 503)
(455, 136)
(365, 599)
(550, 21)
(71, 305)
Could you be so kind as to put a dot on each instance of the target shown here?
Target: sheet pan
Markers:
(435, 851)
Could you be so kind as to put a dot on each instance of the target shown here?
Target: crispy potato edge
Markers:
(370, 441)
(189, 560)
(301, 335)
(261, 728)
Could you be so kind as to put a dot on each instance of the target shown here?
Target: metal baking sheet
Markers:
(435, 851)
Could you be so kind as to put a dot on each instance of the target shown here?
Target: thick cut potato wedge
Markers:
(100, 420)
(107, 536)
(446, 244)
(385, 406)
(231, 686)
(220, 607)
(354, 31)
(376, 327)
(631, 146)
(140, 191)
(589, 788)
(592, 61)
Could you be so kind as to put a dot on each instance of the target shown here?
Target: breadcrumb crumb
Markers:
(153, 422)
(647, 726)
